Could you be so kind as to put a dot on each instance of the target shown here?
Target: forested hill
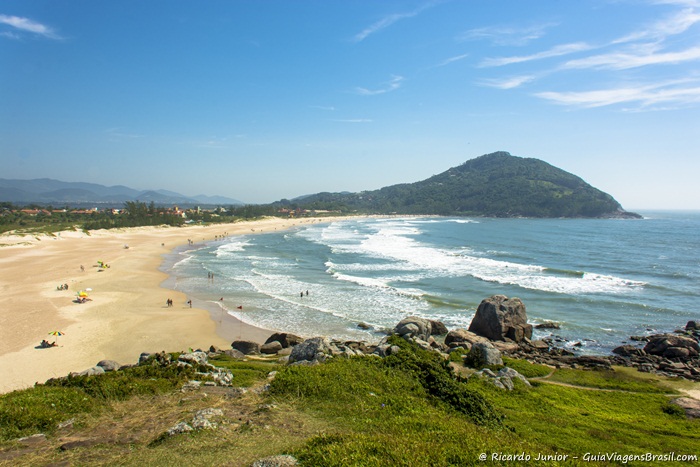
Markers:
(493, 185)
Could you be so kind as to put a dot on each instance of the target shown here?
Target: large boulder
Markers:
(463, 338)
(414, 327)
(672, 346)
(109, 365)
(246, 347)
(271, 348)
(285, 338)
(483, 354)
(499, 318)
(316, 349)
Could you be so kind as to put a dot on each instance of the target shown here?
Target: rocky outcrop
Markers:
(414, 327)
(499, 318)
(285, 339)
(109, 365)
(316, 349)
(483, 354)
(463, 338)
(246, 347)
(271, 348)
(672, 346)
(504, 378)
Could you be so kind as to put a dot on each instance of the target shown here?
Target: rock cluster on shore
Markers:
(499, 327)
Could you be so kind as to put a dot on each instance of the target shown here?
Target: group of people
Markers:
(46, 344)
(169, 302)
(62, 287)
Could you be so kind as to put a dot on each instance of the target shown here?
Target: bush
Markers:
(435, 375)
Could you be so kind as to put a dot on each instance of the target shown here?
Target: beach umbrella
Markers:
(56, 334)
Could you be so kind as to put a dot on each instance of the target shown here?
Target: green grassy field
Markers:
(405, 410)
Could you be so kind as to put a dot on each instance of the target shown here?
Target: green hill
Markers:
(494, 185)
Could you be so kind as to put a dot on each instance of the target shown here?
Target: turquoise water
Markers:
(602, 280)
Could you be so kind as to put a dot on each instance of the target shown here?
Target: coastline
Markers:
(127, 313)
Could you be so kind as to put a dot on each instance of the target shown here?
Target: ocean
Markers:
(601, 280)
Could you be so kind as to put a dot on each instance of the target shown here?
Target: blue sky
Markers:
(263, 100)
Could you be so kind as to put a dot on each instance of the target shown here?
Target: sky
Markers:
(264, 100)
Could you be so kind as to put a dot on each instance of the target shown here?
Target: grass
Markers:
(405, 410)
(614, 379)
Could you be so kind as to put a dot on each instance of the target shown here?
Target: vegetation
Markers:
(406, 410)
(34, 219)
(494, 185)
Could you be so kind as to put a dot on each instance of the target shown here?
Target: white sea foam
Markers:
(395, 242)
(232, 247)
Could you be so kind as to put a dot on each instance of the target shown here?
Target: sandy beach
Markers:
(126, 313)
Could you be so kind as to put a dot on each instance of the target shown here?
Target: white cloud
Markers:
(392, 85)
(645, 96)
(556, 51)
(26, 25)
(675, 24)
(507, 35)
(388, 21)
(452, 60)
(623, 61)
(508, 83)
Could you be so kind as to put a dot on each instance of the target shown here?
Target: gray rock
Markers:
(246, 347)
(316, 349)
(499, 317)
(512, 374)
(233, 353)
(271, 348)
(285, 338)
(143, 357)
(94, 371)
(548, 325)
(194, 358)
(483, 354)
(203, 424)
(692, 326)
(414, 327)
(463, 337)
(438, 328)
(672, 346)
(628, 350)
(691, 406)
(181, 427)
(276, 461)
(109, 365)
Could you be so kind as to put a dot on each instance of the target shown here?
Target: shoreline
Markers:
(127, 313)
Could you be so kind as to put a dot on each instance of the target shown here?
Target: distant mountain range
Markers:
(493, 185)
(49, 191)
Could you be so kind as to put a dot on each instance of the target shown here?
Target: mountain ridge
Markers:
(493, 185)
(50, 191)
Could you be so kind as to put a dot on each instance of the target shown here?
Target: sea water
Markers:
(601, 280)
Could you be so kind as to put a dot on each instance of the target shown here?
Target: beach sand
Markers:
(127, 314)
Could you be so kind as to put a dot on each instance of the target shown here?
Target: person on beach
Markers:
(189, 302)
